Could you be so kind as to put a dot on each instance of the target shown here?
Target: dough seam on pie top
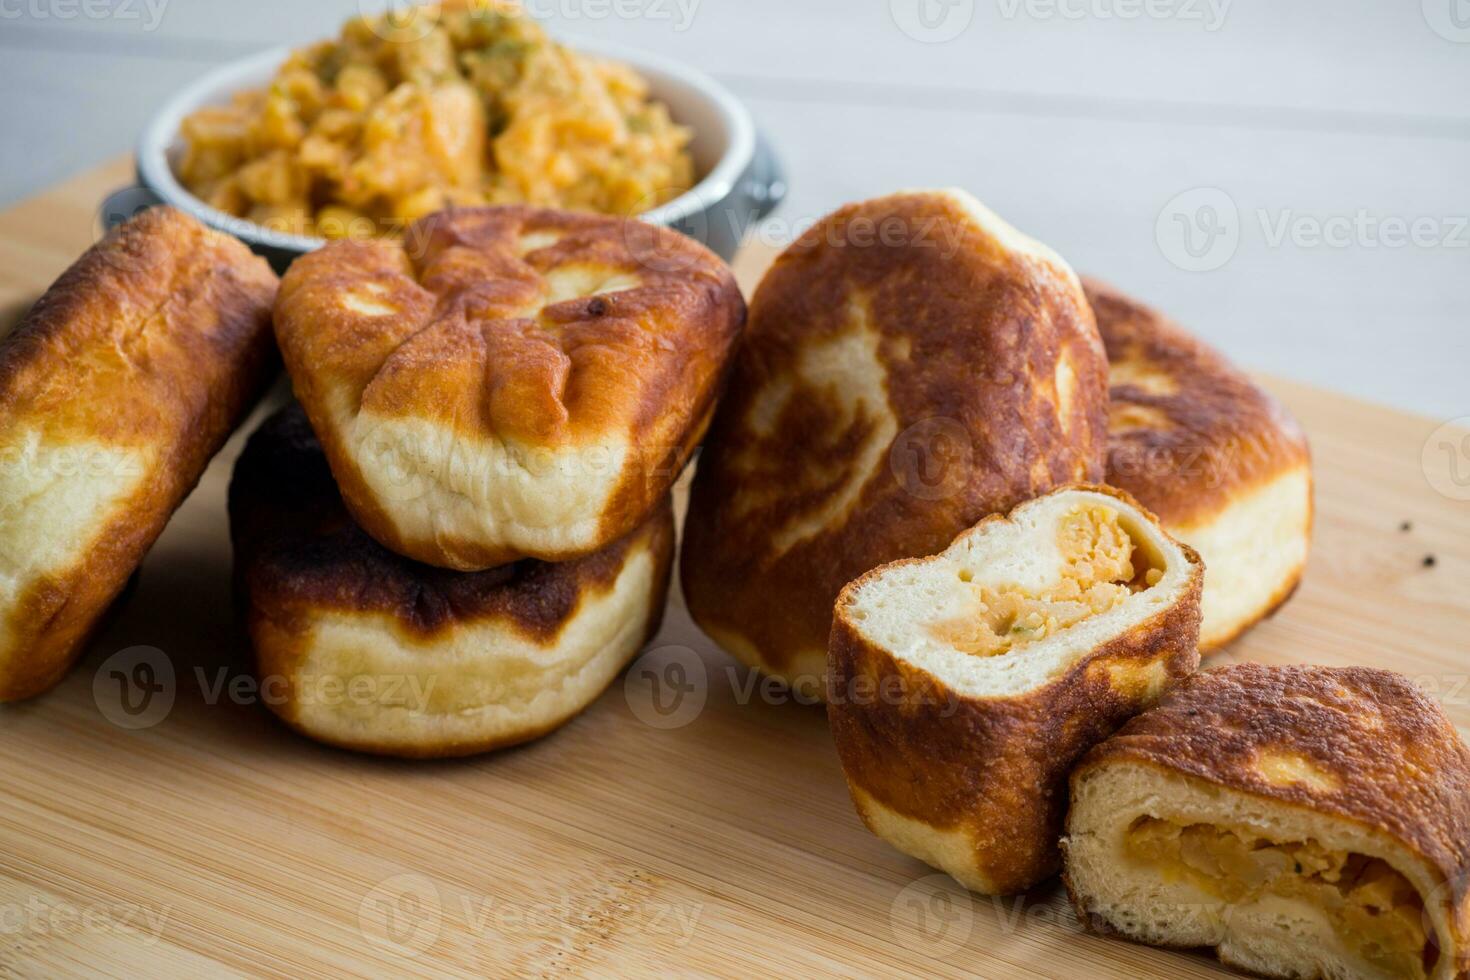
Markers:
(510, 382)
(569, 281)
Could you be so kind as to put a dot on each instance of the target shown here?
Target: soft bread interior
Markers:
(1254, 550)
(438, 484)
(479, 683)
(55, 499)
(1169, 859)
(1015, 603)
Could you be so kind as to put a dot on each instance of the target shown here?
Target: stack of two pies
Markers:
(463, 532)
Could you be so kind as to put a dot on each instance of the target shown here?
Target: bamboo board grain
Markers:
(216, 843)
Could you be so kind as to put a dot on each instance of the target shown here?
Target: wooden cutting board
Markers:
(714, 841)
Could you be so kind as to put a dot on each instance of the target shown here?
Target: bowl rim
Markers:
(156, 174)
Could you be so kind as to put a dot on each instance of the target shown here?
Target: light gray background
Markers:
(1081, 121)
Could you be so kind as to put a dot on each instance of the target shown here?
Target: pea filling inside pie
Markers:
(1374, 909)
(1102, 567)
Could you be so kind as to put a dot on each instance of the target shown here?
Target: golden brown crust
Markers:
(299, 553)
(300, 561)
(470, 349)
(968, 337)
(157, 340)
(995, 769)
(1392, 759)
(1189, 432)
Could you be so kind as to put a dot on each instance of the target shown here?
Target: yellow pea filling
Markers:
(1098, 574)
(1374, 909)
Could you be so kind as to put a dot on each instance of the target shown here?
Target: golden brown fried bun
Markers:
(1224, 466)
(115, 391)
(912, 365)
(963, 687)
(1304, 821)
(508, 382)
(361, 648)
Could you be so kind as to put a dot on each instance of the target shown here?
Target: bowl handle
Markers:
(125, 203)
(765, 180)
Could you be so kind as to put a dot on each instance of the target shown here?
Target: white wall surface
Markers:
(1323, 130)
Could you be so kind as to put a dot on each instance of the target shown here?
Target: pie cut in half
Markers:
(963, 687)
(1302, 821)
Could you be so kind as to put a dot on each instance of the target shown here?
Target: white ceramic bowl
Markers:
(741, 183)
